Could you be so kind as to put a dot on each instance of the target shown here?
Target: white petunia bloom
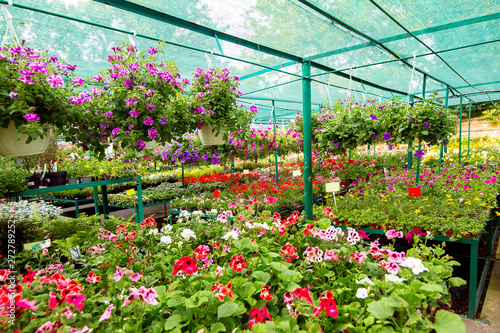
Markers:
(393, 278)
(232, 234)
(167, 228)
(166, 239)
(187, 234)
(415, 264)
(362, 293)
(153, 231)
(365, 280)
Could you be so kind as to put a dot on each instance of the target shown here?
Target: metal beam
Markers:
(286, 64)
(365, 36)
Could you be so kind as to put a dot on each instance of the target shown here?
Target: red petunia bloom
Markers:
(264, 293)
(259, 316)
(185, 265)
(148, 223)
(328, 304)
(237, 263)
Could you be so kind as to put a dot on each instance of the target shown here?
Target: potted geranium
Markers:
(136, 101)
(32, 97)
(215, 109)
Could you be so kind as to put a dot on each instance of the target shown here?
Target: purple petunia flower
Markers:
(152, 50)
(152, 133)
(55, 81)
(419, 154)
(115, 131)
(128, 84)
(13, 95)
(140, 144)
(425, 124)
(134, 113)
(387, 136)
(108, 114)
(31, 117)
(374, 134)
(149, 121)
(253, 109)
(373, 117)
(381, 107)
(163, 121)
(131, 126)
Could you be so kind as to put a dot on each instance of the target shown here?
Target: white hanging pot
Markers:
(10, 147)
(150, 144)
(208, 137)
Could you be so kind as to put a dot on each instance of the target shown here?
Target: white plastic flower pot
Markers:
(208, 137)
(150, 144)
(10, 147)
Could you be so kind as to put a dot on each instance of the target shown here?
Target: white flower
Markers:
(362, 293)
(166, 239)
(187, 234)
(415, 264)
(153, 231)
(365, 280)
(234, 234)
(180, 244)
(167, 228)
(197, 212)
(393, 278)
(214, 212)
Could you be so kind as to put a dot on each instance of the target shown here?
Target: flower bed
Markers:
(256, 275)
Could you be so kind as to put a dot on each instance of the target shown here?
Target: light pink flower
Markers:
(107, 313)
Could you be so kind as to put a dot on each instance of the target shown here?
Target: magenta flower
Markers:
(152, 133)
(153, 50)
(131, 127)
(26, 79)
(133, 66)
(107, 313)
(134, 113)
(425, 124)
(131, 101)
(151, 107)
(31, 117)
(163, 121)
(149, 121)
(128, 84)
(55, 81)
(373, 117)
(140, 144)
(115, 131)
(71, 67)
(108, 114)
(253, 109)
(78, 82)
(135, 277)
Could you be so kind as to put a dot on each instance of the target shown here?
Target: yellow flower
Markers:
(417, 211)
(101, 170)
(498, 213)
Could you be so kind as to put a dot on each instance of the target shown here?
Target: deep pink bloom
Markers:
(55, 81)
(31, 117)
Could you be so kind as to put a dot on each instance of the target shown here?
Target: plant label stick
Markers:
(333, 187)
(216, 194)
(414, 192)
(246, 172)
(130, 192)
(296, 173)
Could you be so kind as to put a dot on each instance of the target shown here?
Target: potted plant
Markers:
(214, 108)
(139, 99)
(32, 96)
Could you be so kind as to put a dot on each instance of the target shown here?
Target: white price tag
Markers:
(296, 173)
(246, 172)
(455, 151)
(332, 187)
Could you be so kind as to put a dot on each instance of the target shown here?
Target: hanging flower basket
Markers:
(10, 147)
(208, 137)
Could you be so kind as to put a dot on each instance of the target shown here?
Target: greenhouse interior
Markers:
(256, 166)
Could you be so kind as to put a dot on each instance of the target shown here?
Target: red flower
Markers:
(328, 304)
(92, 278)
(121, 228)
(186, 265)
(237, 263)
(29, 277)
(259, 316)
(200, 253)
(303, 294)
(148, 223)
(264, 293)
(309, 229)
(217, 245)
(131, 235)
(222, 291)
(289, 250)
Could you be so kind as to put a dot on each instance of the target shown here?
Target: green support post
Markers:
(350, 152)
(468, 133)
(232, 166)
(446, 108)
(368, 148)
(410, 142)
(183, 175)
(105, 203)
(96, 200)
(417, 177)
(275, 152)
(440, 158)
(140, 207)
(375, 149)
(460, 133)
(306, 106)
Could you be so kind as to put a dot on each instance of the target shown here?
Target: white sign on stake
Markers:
(296, 173)
(333, 187)
(246, 172)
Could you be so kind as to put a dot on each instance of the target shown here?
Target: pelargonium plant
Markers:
(33, 92)
(135, 101)
(214, 92)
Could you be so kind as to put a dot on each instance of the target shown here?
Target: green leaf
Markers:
(176, 301)
(160, 289)
(456, 281)
(280, 267)
(226, 310)
(173, 321)
(290, 276)
(447, 322)
(380, 309)
(217, 327)
(262, 276)
(432, 287)
(246, 290)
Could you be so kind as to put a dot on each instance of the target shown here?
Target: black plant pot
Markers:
(55, 178)
(73, 180)
(34, 181)
(85, 179)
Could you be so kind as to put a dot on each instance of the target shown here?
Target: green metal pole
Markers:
(446, 107)
(232, 166)
(183, 175)
(410, 143)
(140, 207)
(440, 158)
(275, 152)
(368, 149)
(306, 106)
(460, 134)
(350, 152)
(417, 177)
(105, 204)
(468, 134)
(96, 200)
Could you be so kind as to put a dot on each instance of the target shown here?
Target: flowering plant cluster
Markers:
(137, 100)
(32, 91)
(214, 94)
(189, 150)
(263, 274)
(350, 124)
